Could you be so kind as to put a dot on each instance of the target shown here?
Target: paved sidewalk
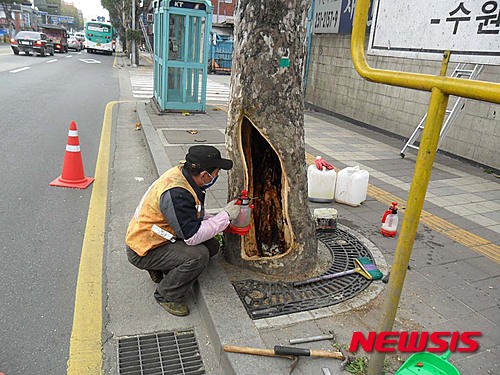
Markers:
(453, 283)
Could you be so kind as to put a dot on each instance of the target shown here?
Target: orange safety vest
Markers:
(148, 228)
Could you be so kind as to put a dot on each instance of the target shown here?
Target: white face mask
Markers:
(213, 181)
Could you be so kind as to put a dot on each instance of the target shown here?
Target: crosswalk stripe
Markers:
(142, 84)
(142, 87)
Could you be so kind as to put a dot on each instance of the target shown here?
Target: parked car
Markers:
(74, 43)
(32, 42)
(81, 37)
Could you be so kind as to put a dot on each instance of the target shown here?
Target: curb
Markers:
(226, 319)
(221, 310)
(211, 286)
(161, 163)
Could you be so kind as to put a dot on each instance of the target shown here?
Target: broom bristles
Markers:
(368, 269)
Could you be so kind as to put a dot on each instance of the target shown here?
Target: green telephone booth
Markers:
(181, 37)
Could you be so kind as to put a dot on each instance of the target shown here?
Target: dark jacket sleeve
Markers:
(179, 208)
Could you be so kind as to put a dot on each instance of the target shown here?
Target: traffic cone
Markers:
(72, 174)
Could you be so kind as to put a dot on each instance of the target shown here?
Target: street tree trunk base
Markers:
(269, 247)
(265, 139)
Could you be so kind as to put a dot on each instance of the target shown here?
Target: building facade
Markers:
(334, 86)
(223, 10)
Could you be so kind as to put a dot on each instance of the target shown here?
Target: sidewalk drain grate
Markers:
(263, 299)
(169, 353)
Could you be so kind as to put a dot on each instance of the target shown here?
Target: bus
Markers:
(99, 37)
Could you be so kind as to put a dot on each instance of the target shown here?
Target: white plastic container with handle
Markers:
(352, 186)
(321, 184)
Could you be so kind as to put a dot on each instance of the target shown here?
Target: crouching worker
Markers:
(170, 235)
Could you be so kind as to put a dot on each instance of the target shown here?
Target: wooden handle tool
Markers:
(255, 351)
(290, 350)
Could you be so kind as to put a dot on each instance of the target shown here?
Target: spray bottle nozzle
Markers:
(244, 199)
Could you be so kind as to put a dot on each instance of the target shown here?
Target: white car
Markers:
(81, 37)
(74, 43)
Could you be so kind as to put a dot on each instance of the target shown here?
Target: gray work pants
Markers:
(180, 263)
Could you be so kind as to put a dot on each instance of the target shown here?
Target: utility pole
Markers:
(133, 39)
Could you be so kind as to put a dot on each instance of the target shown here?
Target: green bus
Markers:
(99, 37)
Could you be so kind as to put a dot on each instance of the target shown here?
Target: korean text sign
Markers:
(327, 16)
(335, 16)
(423, 29)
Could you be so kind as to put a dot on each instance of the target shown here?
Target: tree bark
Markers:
(265, 138)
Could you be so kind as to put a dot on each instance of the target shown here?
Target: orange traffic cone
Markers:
(72, 173)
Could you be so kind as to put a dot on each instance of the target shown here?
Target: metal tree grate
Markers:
(169, 353)
(264, 299)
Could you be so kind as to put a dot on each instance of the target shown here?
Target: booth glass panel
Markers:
(174, 92)
(193, 92)
(159, 46)
(176, 37)
(159, 41)
(196, 37)
(159, 81)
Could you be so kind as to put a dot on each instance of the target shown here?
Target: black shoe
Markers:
(174, 308)
(156, 276)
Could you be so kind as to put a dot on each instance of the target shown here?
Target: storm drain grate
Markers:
(263, 299)
(169, 353)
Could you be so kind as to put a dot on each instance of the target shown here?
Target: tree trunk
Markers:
(265, 138)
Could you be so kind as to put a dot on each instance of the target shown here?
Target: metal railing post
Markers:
(441, 87)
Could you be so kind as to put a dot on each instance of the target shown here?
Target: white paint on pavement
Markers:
(20, 69)
(142, 87)
(51, 61)
(90, 61)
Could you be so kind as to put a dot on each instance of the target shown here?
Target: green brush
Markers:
(364, 267)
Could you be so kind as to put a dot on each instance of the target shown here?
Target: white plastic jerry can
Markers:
(352, 186)
(321, 184)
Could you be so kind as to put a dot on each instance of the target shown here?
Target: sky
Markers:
(91, 8)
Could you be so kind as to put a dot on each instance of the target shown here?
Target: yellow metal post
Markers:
(416, 198)
(441, 87)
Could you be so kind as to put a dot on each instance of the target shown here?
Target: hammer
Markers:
(285, 352)
(303, 352)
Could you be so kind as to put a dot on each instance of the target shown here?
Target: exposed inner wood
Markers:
(265, 177)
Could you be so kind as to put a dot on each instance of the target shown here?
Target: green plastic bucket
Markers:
(428, 364)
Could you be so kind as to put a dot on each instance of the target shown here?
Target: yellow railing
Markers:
(441, 88)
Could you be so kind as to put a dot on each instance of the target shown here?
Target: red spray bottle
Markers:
(241, 225)
(390, 221)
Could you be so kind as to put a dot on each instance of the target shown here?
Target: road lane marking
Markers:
(85, 350)
(69, 57)
(475, 243)
(90, 61)
(20, 69)
(51, 61)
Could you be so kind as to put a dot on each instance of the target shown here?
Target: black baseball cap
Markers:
(203, 157)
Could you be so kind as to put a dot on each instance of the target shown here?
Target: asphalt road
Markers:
(43, 226)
